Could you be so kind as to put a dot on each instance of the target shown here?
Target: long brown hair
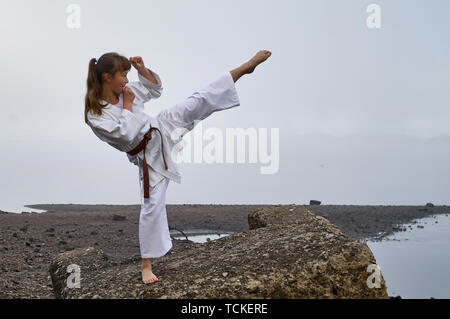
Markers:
(108, 63)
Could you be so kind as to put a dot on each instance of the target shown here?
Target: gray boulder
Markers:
(288, 253)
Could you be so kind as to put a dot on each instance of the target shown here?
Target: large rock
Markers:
(288, 253)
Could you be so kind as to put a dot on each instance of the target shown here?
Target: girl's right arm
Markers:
(128, 98)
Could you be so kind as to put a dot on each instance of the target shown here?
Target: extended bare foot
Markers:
(250, 65)
(259, 57)
(148, 276)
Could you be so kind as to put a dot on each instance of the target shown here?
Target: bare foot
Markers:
(148, 276)
(259, 57)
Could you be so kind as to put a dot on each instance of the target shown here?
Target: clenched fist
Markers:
(138, 63)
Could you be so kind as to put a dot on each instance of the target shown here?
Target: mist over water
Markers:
(348, 170)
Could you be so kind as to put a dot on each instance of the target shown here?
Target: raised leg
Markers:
(217, 95)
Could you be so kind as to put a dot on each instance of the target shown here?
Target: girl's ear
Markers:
(107, 77)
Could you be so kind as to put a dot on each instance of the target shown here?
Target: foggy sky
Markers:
(363, 114)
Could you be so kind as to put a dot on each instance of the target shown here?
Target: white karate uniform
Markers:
(124, 130)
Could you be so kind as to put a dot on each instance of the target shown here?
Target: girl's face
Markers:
(118, 81)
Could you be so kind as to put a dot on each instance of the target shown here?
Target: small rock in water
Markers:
(314, 202)
(429, 205)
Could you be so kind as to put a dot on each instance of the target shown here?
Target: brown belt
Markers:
(142, 146)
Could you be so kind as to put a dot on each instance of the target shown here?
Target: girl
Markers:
(114, 110)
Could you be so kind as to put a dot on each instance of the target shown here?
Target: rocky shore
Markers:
(29, 241)
(288, 252)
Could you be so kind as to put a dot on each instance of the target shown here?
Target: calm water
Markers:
(12, 208)
(199, 235)
(415, 263)
(203, 238)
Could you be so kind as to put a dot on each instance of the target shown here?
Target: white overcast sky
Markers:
(363, 114)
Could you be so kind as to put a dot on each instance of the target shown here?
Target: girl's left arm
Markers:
(149, 85)
(144, 89)
(151, 81)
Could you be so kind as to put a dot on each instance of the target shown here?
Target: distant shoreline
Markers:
(381, 217)
(362, 222)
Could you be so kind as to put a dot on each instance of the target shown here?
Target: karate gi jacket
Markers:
(124, 130)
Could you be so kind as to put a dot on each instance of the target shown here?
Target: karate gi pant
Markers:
(219, 94)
